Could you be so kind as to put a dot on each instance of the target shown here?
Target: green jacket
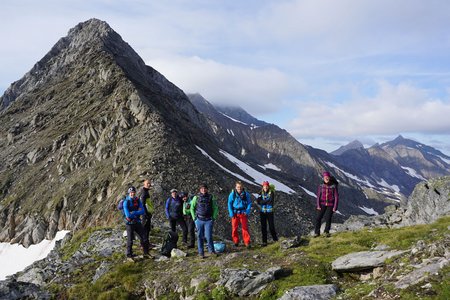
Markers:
(187, 207)
(215, 207)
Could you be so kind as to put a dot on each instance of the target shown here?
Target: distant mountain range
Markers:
(90, 119)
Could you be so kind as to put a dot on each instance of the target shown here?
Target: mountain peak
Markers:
(352, 145)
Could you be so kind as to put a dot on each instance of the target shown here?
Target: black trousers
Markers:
(139, 229)
(327, 212)
(191, 229)
(267, 218)
(179, 221)
(147, 223)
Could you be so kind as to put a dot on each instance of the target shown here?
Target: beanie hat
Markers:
(173, 190)
(265, 183)
(132, 189)
(326, 174)
(204, 185)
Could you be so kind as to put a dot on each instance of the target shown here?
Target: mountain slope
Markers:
(89, 120)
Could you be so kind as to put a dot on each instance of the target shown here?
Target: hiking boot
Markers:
(248, 246)
(191, 246)
(316, 235)
(236, 245)
(327, 234)
(263, 244)
(147, 256)
(202, 256)
(215, 254)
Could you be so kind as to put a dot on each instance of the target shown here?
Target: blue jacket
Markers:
(133, 209)
(236, 205)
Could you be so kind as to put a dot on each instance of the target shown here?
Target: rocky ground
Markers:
(403, 263)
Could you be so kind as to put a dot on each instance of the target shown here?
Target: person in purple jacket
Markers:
(327, 203)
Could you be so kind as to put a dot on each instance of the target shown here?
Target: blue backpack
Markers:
(219, 247)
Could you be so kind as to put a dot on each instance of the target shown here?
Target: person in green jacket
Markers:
(204, 211)
(188, 218)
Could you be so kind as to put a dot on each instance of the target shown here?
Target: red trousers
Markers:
(240, 218)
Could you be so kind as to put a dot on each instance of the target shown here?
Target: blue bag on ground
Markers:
(219, 247)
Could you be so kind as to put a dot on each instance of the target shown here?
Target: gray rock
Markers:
(243, 282)
(428, 202)
(177, 253)
(11, 290)
(312, 292)
(101, 270)
(292, 243)
(364, 260)
(421, 274)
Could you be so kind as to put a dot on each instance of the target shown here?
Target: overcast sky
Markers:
(327, 71)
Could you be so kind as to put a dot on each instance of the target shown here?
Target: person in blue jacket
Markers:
(265, 202)
(133, 210)
(239, 205)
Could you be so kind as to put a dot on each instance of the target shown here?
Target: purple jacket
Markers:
(328, 195)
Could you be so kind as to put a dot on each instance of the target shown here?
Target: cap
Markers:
(204, 185)
(183, 194)
(326, 174)
(173, 190)
(265, 183)
(132, 189)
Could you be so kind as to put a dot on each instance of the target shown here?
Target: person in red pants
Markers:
(239, 204)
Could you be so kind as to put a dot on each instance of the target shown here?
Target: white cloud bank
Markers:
(395, 108)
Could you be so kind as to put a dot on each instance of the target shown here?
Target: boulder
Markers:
(11, 290)
(428, 202)
(364, 260)
(422, 273)
(243, 282)
(311, 292)
(177, 253)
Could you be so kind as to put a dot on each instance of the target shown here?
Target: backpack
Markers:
(219, 247)
(169, 242)
(120, 205)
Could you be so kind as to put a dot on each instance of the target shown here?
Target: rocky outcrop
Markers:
(243, 282)
(12, 290)
(429, 201)
(311, 292)
(364, 260)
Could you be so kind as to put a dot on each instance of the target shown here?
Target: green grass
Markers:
(328, 249)
(309, 265)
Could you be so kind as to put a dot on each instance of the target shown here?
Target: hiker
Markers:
(174, 212)
(265, 202)
(239, 204)
(327, 203)
(144, 196)
(132, 210)
(204, 211)
(188, 218)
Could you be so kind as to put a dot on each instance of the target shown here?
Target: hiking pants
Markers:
(147, 223)
(327, 212)
(242, 219)
(191, 229)
(179, 221)
(204, 228)
(139, 229)
(267, 218)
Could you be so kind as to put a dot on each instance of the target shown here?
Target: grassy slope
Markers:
(310, 264)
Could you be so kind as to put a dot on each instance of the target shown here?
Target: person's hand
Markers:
(318, 208)
(128, 219)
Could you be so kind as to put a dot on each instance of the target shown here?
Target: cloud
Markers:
(395, 108)
(225, 84)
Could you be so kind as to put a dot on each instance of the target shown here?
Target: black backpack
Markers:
(170, 242)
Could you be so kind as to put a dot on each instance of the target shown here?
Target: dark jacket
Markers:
(174, 208)
(266, 201)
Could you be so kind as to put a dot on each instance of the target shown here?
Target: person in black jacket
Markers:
(144, 196)
(174, 212)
